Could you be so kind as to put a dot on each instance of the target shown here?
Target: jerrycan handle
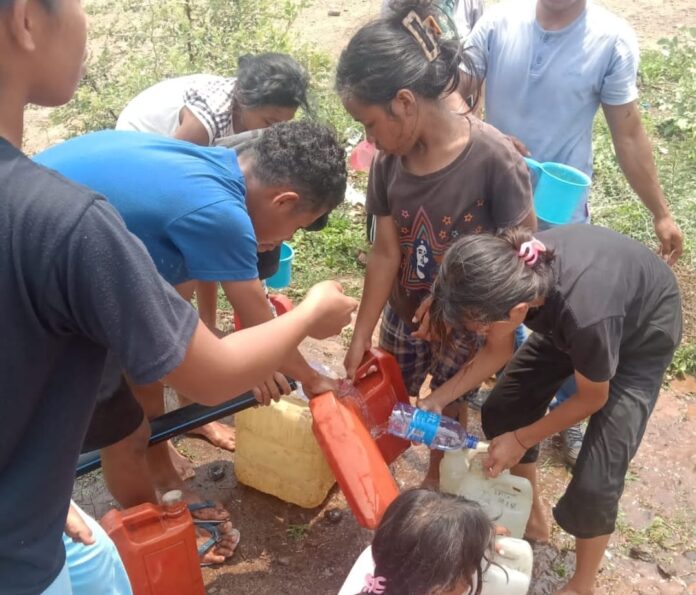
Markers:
(141, 516)
(371, 364)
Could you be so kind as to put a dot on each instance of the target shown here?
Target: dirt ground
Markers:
(291, 551)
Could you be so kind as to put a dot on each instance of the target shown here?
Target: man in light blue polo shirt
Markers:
(549, 66)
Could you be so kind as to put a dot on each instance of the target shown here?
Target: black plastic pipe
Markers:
(178, 422)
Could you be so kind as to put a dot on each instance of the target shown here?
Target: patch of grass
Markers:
(331, 253)
(297, 532)
(668, 105)
(684, 361)
(560, 569)
(662, 534)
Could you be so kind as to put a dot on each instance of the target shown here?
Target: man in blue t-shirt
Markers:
(203, 213)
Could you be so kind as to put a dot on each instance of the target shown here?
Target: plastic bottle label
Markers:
(423, 426)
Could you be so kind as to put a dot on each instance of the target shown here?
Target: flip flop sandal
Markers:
(195, 506)
(215, 538)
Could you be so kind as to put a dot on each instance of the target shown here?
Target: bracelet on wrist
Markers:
(520, 441)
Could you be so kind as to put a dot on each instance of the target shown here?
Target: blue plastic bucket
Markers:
(558, 190)
(283, 275)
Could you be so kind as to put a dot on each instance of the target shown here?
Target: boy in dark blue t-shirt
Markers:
(76, 284)
(202, 213)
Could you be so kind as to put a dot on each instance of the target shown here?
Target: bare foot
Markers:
(569, 589)
(217, 434)
(224, 546)
(538, 530)
(183, 466)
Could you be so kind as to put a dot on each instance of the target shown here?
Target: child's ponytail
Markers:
(415, 47)
(483, 277)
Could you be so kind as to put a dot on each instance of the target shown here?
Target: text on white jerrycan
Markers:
(507, 499)
(511, 571)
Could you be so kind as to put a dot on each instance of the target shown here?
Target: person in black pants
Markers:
(602, 307)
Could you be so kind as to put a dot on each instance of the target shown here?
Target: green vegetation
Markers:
(136, 44)
(668, 102)
(297, 532)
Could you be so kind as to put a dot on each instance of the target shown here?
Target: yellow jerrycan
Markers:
(278, 454)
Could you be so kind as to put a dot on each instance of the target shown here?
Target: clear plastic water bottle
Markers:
(436, 431)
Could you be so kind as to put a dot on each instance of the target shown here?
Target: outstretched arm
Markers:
(506, 450)
(215, 369)
(250, 304)
(634, 152)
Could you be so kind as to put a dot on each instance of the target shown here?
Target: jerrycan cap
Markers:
(172, 498)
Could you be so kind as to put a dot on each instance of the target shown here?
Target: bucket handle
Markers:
(535, 168)
(534, 165)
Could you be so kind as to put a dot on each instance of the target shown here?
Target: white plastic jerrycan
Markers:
(507, 499)
(509, 574)
(511, 571)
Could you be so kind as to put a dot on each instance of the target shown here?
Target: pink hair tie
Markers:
(529, 251)
(374, 584)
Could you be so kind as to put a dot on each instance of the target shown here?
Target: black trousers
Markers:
(590, 504)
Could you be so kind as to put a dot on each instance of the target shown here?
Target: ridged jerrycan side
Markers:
(343, 427)
(278, 454)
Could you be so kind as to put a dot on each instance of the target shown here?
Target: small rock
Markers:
(327, 572)
(284, 561)
(334, 516)
(639, 554)
(690, 555)
(212, 590)
(216, 472)
(334, 13)
(666, 571)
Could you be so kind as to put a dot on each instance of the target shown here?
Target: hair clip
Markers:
(530, 251)
(425, 32)
(374, 584)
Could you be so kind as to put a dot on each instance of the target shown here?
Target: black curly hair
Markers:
(306, 156)
(271, 79)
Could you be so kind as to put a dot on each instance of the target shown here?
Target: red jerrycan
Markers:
(381, 386)
(158, 547)
(355, 458)
(281, 303)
